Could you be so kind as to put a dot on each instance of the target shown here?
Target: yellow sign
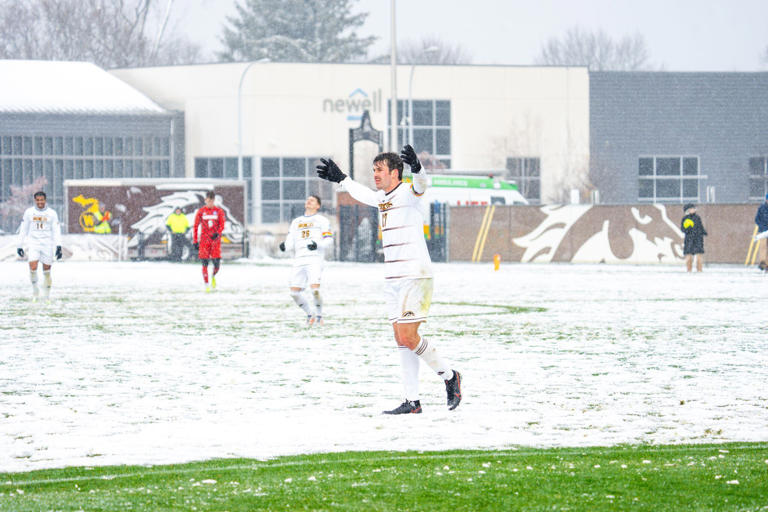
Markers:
(87, 218)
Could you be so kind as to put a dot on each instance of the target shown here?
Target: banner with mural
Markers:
(138, 210)
(645, 233)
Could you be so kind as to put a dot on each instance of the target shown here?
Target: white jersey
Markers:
(303, 231)
(40, 227)
(402, 226)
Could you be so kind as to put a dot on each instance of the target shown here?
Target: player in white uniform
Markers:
(408, 272)
(308, 238)
(41, 229)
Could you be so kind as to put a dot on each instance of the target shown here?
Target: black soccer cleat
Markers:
(407, 407)
(453, 390)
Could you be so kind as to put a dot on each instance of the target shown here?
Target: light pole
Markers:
(240, 117)
(425, 51)
(393, 77)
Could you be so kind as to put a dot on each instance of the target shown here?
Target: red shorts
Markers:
(210, 249)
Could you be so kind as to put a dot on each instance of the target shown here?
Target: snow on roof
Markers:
(55, 87)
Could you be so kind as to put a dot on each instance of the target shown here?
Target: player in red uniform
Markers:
(209, 224)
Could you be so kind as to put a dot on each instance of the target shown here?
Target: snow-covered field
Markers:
(134, 363)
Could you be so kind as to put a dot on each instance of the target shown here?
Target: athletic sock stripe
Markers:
(422, 347)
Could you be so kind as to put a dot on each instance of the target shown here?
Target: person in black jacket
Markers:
(761, 219)
(694, 231)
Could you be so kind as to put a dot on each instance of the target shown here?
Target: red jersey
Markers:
(207, 222)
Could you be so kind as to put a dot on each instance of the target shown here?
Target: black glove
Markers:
(312, 246)
(196, 246)
(328, 170)
(20, 252)
(409, 156)
(214, 236)
(58, 252)
(282, 246)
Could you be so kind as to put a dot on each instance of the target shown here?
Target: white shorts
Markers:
(408, 300)
(40, 252)
(306, 274)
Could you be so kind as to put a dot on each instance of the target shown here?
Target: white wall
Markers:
(496, 111)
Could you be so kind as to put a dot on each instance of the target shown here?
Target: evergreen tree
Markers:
(295, 31)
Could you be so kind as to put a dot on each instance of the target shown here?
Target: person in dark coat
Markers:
(693, 244)
(761, 219)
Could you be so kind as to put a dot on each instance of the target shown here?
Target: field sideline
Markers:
(133, 365)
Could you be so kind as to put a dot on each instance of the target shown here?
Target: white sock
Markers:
(301, 301)
(318, 302)
(430, 356)
(409, 363)
(47, 283)
(33, 280)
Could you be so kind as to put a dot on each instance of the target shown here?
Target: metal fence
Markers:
(358, 237)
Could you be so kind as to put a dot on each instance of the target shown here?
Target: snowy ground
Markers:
(133, 363)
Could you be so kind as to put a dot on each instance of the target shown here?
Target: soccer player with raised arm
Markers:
(41, 229)
(408, 272)
(206, 235)
(308, 238)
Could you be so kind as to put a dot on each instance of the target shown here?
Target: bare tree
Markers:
(432, 50)
(109, 33)
(595, 50)
(427, 50)
(18, 201)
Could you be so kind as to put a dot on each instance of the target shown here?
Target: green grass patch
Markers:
(681, 477)
(493, 309)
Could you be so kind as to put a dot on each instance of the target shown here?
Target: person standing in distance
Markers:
(408, 272)
(40, 227)
(693, 243)
(308, 238)
(206, 235)
(761, 219)
(178, 225)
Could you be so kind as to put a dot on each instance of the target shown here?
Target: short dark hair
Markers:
(210, 194)
(393, 162)
(319, 202)
(40, 193)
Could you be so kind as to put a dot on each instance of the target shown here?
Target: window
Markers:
(758, 177)
(285, 185)
(225, 168)
(668, 178)
(431, 130)
(526, 174)
(59, 157)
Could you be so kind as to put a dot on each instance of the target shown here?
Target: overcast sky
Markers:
(681, 35)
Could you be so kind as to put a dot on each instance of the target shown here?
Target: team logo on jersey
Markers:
(304, 225)
(385, 206)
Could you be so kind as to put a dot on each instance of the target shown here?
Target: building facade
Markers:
(612, 137)
(679, 137)
(72, 120)
(531, 123)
